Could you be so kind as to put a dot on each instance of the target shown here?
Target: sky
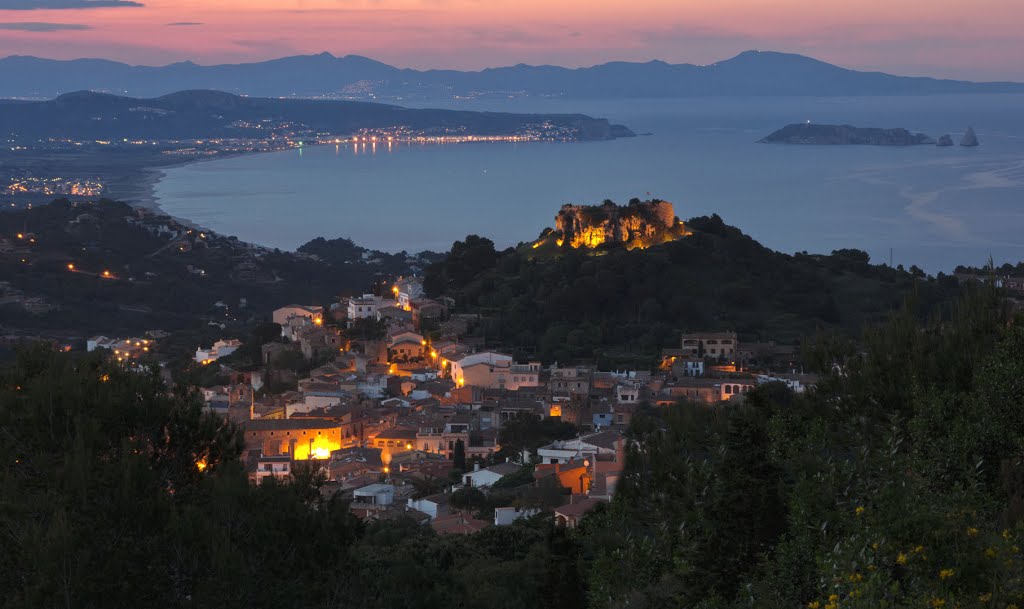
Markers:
(976, 40)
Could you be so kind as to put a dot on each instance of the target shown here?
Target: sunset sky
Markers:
(981, 39)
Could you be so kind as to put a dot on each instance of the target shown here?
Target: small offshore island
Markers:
(833, 135)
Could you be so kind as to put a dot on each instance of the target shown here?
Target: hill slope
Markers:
(585, 304)
(161, 274)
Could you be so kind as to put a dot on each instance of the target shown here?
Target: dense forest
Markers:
(897, 483)
(613, 305)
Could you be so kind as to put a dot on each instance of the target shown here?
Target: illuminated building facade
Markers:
(300, 439)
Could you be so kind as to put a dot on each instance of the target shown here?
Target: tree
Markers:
(459, 456)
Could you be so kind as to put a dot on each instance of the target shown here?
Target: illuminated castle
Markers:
(637, 225)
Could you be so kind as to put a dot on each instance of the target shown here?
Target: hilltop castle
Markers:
(636, 225)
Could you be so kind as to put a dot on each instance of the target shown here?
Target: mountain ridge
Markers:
(752, 73)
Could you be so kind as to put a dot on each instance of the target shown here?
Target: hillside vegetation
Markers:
(561, 303)
(898, 483)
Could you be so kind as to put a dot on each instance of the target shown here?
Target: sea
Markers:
(923, 205)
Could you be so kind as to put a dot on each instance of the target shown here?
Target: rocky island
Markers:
(970, 139)
(815, 134)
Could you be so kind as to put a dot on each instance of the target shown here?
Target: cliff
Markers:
(636, 225)
(812, 134)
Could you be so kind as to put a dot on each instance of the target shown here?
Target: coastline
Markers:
(138, 187)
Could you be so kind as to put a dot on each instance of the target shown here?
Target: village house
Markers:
(716, 345)
(406, 345)
(577, 449)
(316, 342)
(290, 329)
(505, 516)
(300, 439)
(570, 515)
(432, 505)
(424, 309)
(602, 415)
(220, 349)
(703, 390)
(270, 351)
(310, 312)
(263, 467)
(349, 462)
(799, 383)
(374, 494)
(407, 289)
(679, 363)
(394, 441)
(492, 370)
(570, 380)
(364, 307)
(484, 477)
(457, 523)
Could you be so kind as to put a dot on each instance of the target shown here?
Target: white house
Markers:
(372, 385)
(799, 383)
(488, 475)
(364, 307)
(578, 449)
(505, 516)
(433, 506)
(219, 349)
(627, 393)
(272, 467)
(99, 342)
(374, 494)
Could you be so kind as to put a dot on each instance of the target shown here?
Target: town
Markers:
(403, 417)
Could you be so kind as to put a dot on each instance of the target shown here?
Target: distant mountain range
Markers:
(750, 73)
(87, 115)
